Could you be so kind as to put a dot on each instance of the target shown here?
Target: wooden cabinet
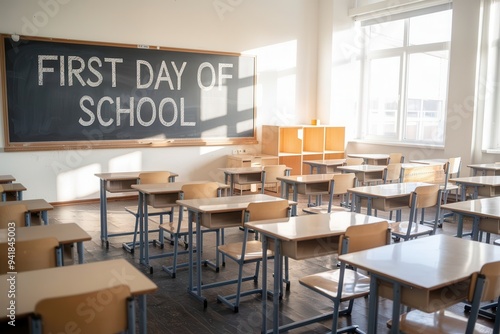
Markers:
(297, 143)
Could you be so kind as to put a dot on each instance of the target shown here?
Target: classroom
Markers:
(215, 84)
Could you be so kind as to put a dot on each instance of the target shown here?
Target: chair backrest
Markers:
(454, 166)
(392, 173)
(200, 190)
(109, 313)
(274, 171)
(424, 196)
(32, 254)
(354, 161)
(365, 236)
(342, 182)
(154, 177)
(396, 158)
(16, 213)
(256, 211)
(491, 289)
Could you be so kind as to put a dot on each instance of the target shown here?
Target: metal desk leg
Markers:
(264, 284)
(143, 320)
(373, 306)
(79, 249)
(103, 207)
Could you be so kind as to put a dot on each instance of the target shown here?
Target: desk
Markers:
(12, 189)
(33, 286)
(485, 213)
(485, 169)
(34, 206)
(365, 173)
(243, 176)
(421, 273)
(323, 166)
(213, 213)
(7, 179)
(119, 182)
(372, 159)
(384, 197)
(301, 237)
(162, 195)
(487, 186)
(66, 234)
(310, 185)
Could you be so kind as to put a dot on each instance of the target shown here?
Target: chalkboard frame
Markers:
(21, 145)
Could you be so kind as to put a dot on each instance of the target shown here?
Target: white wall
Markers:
(282, 33)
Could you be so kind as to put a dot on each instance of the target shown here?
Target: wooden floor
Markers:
(172, 310)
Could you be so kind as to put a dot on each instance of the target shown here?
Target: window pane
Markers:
(386, 35)
(383, 99)
(426, 94)
(431, 28)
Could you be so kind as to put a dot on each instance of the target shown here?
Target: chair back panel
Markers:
(267, 210)
(342, 182)
(274, 171)
(395, 158)
(454, 166)
(154, 177)
(427, 196)
(491, 290)
(107, 316)
(392, 173)
(200, 190)
(354, 161)
(32, 254)
(13, 212)
(366, 236)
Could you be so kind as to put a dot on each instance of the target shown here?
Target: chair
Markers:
(347, 284)
(354, 161)
(392, 173)
(17, 213)
(180, 230)
(484, 286)
(149, 178)
(250, 251)
(272, 172)
(32, 255)
(106, 311)
(395, 158)
(421, 198)
(339, 185)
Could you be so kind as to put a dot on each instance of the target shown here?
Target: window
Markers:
(405, 78)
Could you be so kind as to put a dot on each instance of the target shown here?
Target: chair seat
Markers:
(253, 250)
(326, 283)
(433, 323)
(400, 229)
(323, 209)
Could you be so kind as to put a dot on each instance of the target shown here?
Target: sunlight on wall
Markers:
(78, 183)
(127, 162)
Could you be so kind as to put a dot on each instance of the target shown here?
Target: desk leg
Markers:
(460, 225)
(79, 249)
(45, 217)
(373, 305)
(295, 198)
(145, 221)
(143, 317)
(396, 307)
(264, 284)
(196, 292)
(103, 207)
(190, 245)
(140, 212)
(277, 285)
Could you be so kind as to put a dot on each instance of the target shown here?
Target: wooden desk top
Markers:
(387, 190)
(490, 166)
(426, 263)
(330, 162)
(33, 205)
(492, 180)
(372, 156)
(226, 204)
(10, 187)
(309, 178)
(242, 170)
(363, 168)
(307, 227)
(33, 286)
(125, 175)
(7, 179)
(488, 207)
(171, 187)
(64, 233)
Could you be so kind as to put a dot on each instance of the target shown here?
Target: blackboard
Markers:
(71, 94)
